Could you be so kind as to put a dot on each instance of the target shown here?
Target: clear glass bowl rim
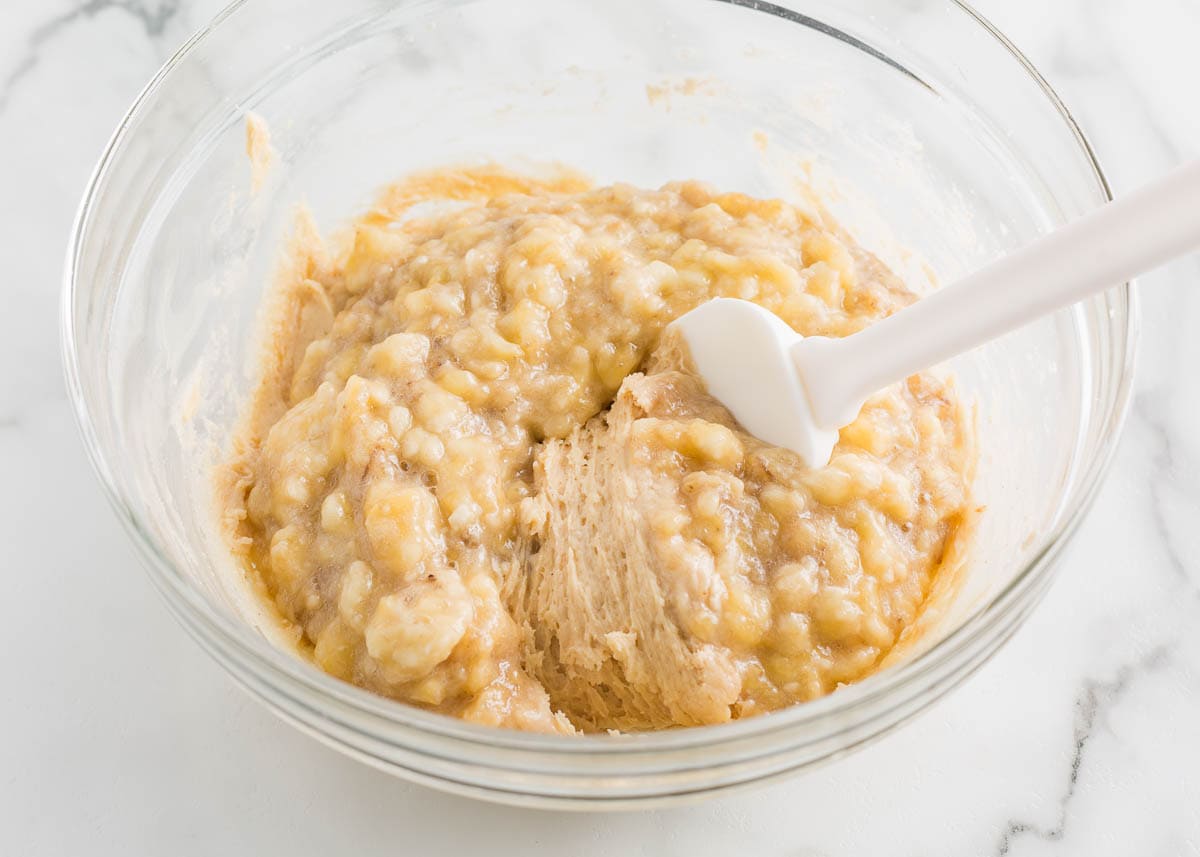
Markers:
(284, 670)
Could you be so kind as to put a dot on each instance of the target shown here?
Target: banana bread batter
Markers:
(478, 478)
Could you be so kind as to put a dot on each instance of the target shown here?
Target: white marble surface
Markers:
(118, 736)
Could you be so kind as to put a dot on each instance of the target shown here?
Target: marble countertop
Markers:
(119, 736)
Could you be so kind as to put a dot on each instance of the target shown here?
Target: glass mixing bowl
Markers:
(921, 108)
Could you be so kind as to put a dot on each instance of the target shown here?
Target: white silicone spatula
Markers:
(797, 392)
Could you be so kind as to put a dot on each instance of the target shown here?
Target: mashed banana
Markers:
(478, 478)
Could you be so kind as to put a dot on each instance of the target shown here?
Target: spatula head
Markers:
(742, 352)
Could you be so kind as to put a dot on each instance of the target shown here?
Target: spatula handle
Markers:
(1104, 248)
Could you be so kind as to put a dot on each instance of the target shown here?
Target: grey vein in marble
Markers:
(1163, 474)
(1086, 53)
(153, 20)
(1096, 698)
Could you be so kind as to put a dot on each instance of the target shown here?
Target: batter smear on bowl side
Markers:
(478, 478)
